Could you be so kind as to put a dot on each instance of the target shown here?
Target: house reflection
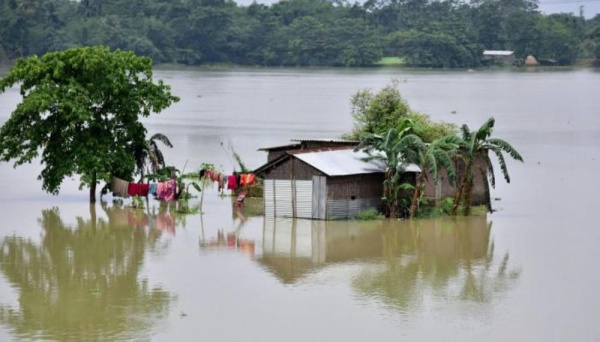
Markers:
(391, 258)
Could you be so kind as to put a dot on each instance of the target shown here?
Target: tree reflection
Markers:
(440, 258)
(81, 282)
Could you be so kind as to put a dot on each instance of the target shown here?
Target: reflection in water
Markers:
(442, 258)
(232, 240)
(81, 282)
(398, 261)
(161, 218)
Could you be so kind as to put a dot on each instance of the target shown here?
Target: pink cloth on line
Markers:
(161, 189)
(171, 189)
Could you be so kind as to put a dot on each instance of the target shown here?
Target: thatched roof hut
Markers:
(531, 61)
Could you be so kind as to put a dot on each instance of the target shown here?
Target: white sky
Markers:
(591, 7)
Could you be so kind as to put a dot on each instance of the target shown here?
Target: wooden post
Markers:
(202, 194)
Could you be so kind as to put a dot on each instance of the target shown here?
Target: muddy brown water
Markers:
(527, 272)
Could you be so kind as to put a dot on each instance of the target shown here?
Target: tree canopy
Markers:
(376, 113)
(426, 33)
(80, 113)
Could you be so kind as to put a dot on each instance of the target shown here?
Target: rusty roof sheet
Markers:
(345, 162)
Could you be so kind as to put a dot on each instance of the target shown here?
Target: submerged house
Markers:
(328, 180)
(322, 179)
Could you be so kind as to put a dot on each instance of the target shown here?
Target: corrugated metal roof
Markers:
(340, 141)
(345, 162)
(278, 147)
(497, 53)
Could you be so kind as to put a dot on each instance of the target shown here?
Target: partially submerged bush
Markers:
(369, 214)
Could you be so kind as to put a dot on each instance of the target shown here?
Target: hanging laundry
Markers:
(215, 176)
(232, 182)
(171, 189)
(208, 174)
(222, 182)
(161, 188)
(135, 189)
(247, 179)
(152, 189)
(166, 190)
(119, 187)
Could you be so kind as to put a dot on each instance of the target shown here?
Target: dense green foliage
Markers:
(424, 33)
(376, 113)
(389, 131)
(80, 114)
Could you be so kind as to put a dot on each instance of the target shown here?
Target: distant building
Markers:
(499, 56)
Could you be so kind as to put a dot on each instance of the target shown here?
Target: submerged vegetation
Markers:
(369, 214)
(391, 132)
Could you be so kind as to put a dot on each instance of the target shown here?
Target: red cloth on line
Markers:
(232, 182)
(135, 189)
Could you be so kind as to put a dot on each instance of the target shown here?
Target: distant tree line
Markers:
(425, 33)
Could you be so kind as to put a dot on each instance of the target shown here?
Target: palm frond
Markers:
(444, 160)
(195, 186)
(490, 170)
(430, 162)
(502, 162)
(162, 138)
(466, 132)
(506, 147)
(406, 186)
(486, 129)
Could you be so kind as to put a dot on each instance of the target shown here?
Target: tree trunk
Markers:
(93, 189)
(416, 195)
(394, 208)
(468, 196)
(93, 215)
(488, 199)
(460, 190)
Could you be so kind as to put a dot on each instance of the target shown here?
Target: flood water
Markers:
(527, 272)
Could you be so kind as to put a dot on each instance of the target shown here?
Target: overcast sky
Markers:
(590, 7)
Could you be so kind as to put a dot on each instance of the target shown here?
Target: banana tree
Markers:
(476, 145)
(434, 158)
(150, 156)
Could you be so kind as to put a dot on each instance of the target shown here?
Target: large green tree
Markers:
(80, 113)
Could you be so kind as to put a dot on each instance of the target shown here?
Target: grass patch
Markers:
(391, 61)
(444, 208)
